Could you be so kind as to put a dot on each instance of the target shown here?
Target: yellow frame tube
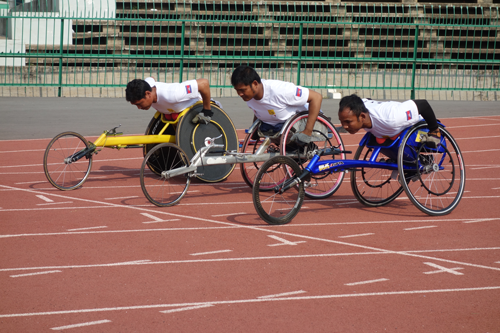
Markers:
(111, 140)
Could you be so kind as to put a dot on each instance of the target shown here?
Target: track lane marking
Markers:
(424, 227)
(188, 308)
(211, 252)
(90, 323)
(284, 294)
(44, 198)
(249, 301)
(366, 282)
(255, 228)
(283, 241)
(357, 235)
(442, 269)
(88, 228)
(37, 273)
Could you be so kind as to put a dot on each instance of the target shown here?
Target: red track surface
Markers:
(103, 259)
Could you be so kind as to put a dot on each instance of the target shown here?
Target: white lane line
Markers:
(486, 167)
(303, 256)
(220, 215)
(425, 227)
(442, 269)
(358, 235)
(248, 301)
(366, 282)
(212, 252)
(88, 228)
(188, 308)
(347, 202)
(54, 203)
(283, 241)
(37, 273)
(44, 198)
(284, 294)
(255, 228)
(81, 325)
(155, 218)
(480, 220)
(161, 221)
(131, 197)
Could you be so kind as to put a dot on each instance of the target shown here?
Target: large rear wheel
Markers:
(433, 178)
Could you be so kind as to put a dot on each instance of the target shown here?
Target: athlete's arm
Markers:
(314, 101)
(427, 113)
(204, 90)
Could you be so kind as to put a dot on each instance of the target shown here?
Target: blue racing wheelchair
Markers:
(433, 178)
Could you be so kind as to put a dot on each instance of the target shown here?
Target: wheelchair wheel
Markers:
(272, 206)
(60, 173)
(161, 191)
(154, 127)
(191, 137)
(433, 178)
(374, 187)
(249, 170)
(325, 135)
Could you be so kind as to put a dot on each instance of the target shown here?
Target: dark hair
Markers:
(136, 90)
(354, 103)
(244, 74)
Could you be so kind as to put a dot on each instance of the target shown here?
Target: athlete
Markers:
(274, 102)
(387, 119)
(171, 98)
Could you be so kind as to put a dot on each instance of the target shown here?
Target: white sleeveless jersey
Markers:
(390, 118)
(281, 101)
(174, 97)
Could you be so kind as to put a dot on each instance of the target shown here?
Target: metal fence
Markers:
(71, 47)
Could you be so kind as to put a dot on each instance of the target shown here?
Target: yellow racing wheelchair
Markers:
(68, 157)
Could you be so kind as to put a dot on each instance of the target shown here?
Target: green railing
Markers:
(390, 47)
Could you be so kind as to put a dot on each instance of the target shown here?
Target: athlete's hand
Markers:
(301, 139)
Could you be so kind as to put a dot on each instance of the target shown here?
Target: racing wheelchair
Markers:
(433, 178)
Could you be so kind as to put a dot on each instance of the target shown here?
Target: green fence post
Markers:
(300, 53)
(414, 66)
(183, 31)
(59, 90)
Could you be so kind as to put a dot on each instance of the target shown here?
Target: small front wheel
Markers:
(67, 161)
(159, 190)
(276, 206)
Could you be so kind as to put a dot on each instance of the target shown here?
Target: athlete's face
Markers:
(349, 121)
(145, 103)
(246, 92)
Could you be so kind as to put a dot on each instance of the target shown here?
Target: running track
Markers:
(103, 259)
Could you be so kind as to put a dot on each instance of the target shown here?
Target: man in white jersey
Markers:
(170, 98)
(274, 101)
(387, 119)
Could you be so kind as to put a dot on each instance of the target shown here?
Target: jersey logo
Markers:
(188, 89)
(298, 93)
(271, 112)
(408, 115)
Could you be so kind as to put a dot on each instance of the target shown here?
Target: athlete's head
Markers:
(246, 82)
(139, 93)
(352, 113)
